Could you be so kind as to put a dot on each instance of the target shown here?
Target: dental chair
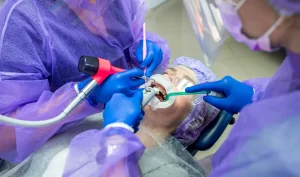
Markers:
(1, 163)
(210, 135)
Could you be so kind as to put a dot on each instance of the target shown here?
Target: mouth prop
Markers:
(162, 86)
(162, 93)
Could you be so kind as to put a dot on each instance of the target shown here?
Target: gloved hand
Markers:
(153, 58)
(124, 82)
(237, 94)
(124, 109)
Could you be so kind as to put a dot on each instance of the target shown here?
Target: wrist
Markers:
(119, 125)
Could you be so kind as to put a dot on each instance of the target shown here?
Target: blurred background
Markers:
(170, 19)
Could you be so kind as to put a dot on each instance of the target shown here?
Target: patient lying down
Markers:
(189, 115)
(164, 156)
(184, 120)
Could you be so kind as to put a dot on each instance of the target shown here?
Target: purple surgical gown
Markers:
(265, 140)
(108, 153)
(41, 42)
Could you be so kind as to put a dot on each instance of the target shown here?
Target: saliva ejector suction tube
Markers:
(100, 69)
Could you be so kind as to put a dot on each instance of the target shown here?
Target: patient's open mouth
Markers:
(162, 94)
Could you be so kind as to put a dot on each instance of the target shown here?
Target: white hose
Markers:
(26, 123)
(43, 123)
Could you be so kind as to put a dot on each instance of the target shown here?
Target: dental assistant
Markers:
(264, 141)
(40, 46)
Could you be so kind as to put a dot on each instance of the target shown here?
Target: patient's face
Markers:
(172, 116)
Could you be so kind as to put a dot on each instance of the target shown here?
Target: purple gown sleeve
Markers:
(263, 142)
(111, 152)
(259, 85)
(38, 103)
(25, 78)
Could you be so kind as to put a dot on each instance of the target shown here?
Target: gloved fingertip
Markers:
(188, 89)
(146, 62)
(137, 72)
(149, 73)
(133, 73)
(220, 103)
(209, 99)
(191, 89)
(140, 72)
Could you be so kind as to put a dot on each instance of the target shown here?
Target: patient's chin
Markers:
(169, 118)
(159, 113)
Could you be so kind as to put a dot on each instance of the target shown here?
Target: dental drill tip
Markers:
(156, 90)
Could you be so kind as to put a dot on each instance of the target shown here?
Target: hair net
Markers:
(202, 113)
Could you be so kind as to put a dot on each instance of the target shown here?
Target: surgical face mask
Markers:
(232, 22)
(167, 85)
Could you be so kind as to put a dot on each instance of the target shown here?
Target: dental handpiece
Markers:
(148, 94)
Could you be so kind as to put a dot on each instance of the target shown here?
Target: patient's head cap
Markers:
(202, 113)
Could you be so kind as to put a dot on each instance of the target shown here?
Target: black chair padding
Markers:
(210, 135)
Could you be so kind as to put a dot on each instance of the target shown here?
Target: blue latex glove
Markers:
(124, 82)
(153, 58)
(237, 94)
(124, 109)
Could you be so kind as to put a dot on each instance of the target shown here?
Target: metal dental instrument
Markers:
(148, 94)
(144, 49)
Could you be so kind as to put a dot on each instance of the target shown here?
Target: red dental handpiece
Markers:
(98, 68)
